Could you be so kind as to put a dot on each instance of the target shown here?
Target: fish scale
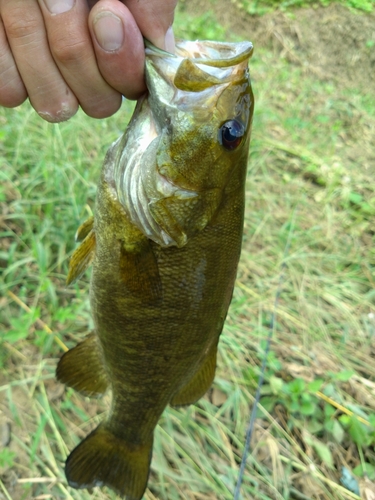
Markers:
(164, 264)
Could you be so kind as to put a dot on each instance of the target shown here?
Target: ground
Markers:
(311, 182)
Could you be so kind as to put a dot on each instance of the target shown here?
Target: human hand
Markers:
(62, 54)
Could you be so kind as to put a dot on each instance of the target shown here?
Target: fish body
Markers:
(164, 244)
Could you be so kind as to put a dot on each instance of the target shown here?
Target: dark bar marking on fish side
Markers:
(82, 368)
(103, 458)
(82, 258)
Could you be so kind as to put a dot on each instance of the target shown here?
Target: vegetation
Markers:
(263, 6)
(311, 179)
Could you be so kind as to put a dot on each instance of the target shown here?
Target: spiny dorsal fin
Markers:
(104, 459)
(82, 258)
(84, 229)
(82, 368)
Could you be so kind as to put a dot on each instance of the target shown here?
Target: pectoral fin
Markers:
(199, 384)
(160, 211)
(140, 273)
(183, 216)
(82, 368)
(81, 258)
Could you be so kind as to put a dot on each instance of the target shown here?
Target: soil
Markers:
(334, 43)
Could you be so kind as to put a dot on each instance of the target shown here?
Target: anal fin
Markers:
(82, 258)
(82, 368)
(104, 459)
(199, 384)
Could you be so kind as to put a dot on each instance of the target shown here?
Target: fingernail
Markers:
(169, 42)
(59, 6)
(109, 31)
(166, 42)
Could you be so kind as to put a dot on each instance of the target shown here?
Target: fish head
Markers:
(187, 142)
(202, 106)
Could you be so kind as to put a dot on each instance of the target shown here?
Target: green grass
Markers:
(310, 176)
(260, 7)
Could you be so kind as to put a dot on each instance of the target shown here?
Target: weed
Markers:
(7, 458)
(260, 7)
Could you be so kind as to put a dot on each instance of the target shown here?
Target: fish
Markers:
(164, 245)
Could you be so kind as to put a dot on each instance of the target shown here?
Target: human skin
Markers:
(62, 54)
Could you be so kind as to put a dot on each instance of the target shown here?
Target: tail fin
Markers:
(103, 459)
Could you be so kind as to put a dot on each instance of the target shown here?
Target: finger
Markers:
(155, 18)
(119, 47)
(71, 46)
(47, 90)
(12, 90)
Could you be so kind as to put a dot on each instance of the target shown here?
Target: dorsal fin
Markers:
(84, 229)
(82, 258)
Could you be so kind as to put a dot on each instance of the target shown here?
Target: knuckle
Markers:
(68, 51)
(12, 89)
(22, 28)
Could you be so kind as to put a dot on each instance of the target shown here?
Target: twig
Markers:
(38, 480)
(341, 408)
(5, 491)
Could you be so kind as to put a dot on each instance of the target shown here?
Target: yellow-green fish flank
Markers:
(164, 245)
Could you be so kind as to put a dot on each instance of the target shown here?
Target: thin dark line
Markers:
(250, 428)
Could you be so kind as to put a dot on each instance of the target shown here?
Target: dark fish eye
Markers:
(231, 134)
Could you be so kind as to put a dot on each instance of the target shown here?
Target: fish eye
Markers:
(231, 134)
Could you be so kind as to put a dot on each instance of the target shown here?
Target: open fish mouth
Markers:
(219, 54)
(198, 65)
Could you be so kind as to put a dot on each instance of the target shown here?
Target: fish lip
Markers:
(235, 53)
(197, 65)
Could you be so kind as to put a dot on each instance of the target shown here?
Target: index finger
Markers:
(154, 19)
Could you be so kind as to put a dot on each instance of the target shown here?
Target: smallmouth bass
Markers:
(164, 244)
